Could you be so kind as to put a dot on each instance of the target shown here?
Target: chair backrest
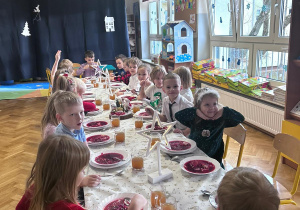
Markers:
(237, 133)
(288, 145)
(76, 65)
(48, 73)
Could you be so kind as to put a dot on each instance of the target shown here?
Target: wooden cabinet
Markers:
(291, 123)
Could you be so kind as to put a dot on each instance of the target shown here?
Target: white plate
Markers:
(116, 85)
(144, 117)
(96, 128)
(131, 95)
(140, 103)
(88, 95)
(92, 100)
(89, 86)
(114, 197)
(158, 131)
(212, 199)
(213, 161)
(122, 152)
(93, 113)
(111, 138)
(180, 152)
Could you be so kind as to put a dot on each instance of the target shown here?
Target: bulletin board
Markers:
(186, 10)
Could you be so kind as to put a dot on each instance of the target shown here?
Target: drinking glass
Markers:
(120, 135)
(112, 97)
(158, 197)
(138, 122)
(137, 160)
(135, 108)
(115, 121)
(155, 137)
(106, 105)
(170, 204)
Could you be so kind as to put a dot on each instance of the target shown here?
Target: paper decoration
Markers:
(213, 6)
(37, 11)
(221, 21)
(192, 18)
(248, 6)
(109, 24)
(238, 62)
(26, 30)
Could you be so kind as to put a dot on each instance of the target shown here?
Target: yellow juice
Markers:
(137, 163)
(120, 137)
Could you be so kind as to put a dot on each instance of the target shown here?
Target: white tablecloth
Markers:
(183, 186)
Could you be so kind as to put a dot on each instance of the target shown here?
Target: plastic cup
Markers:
(120, 135)
(115, 121)
(137, 161)
(138, 122)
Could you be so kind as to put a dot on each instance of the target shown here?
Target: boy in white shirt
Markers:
(173, 103)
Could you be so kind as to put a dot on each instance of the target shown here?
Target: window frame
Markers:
(234, 45)
(269, 47)
(211, 28)
(277, 9)
(268, 39)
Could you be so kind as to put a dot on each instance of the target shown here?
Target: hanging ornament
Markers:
(37, 11)
(248, 6)
(228, 60)
(221, 20)
(25, 31)
(265, 8)
(222, 57)
(213, 6)
(238, 62)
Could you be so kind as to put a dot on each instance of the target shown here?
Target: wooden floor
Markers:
(20, 136)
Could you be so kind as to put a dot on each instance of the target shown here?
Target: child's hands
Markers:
(149, 110)
(138, 202)
(177, 131)
(219, 113)
(90, 181)
(143, 83)
(86, 67)
(201, 115)
(57, 55)
(133, 91)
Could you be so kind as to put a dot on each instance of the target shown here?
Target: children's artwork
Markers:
(109, 24)
(25, 31)
(37, 11)
(192, 18)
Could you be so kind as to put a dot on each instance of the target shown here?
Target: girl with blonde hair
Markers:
(186, 82)
(49, 121)
(56, 175)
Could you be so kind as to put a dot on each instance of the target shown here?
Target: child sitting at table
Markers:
(49, 121)
(120, 65)
(246, 188)
(124, 78)
(56, 175)
(63, 83)
(134, 83)
(207, 120)
(143, 72)
(64, 67)
(155, 92)
(80, 87)
(88, 69)
(173, 103)
(186, 82)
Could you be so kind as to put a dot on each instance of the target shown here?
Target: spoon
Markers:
(116, 158)
(127, 201)
(206, 192)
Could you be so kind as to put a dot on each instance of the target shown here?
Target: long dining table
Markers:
(184, 187)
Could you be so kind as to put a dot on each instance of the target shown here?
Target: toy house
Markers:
(109, 24)
(177, 42)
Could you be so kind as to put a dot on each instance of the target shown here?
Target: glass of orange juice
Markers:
(158, 197)
(120, 135)
(137, 161)
(138, 122)
(106, 105)
(96, 85)
(98, 101)
(93, 81)
(112, 97)
(115, 120)
(135, 108)
(155, 137)
(170, 204)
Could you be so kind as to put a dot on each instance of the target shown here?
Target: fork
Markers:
(112, 175)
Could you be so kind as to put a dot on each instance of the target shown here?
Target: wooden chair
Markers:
(75, 68)
(238, 133)
(289, 147)
(48, 73)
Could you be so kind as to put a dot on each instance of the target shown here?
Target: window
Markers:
(183, 32)
(160, 12)
(183, 49)
(259, 21)
(170, 47)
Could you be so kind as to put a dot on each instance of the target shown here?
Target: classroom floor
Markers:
(20, 136)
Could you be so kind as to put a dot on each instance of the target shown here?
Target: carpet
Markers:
(24, 90)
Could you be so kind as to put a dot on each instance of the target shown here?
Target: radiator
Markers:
(256, 113)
